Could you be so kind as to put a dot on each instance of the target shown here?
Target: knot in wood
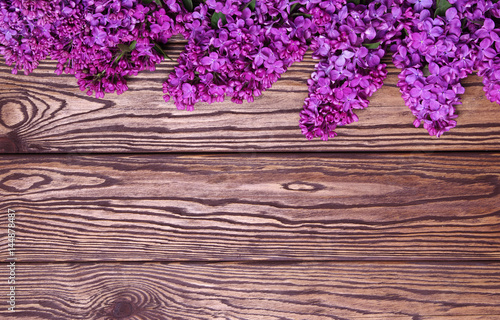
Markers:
(122, 309)
(303, 186)
(13, 112)
(7, 145)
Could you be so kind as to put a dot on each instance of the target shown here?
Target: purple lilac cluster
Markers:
(442, 47)
(237, 49)
(100, 42)
(350, 44)
(482, 23)
(26, 32)
(434, 57)
(121, 38)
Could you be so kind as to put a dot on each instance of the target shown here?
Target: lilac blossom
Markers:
(240, 48)
(239, 56)
(441, 50)
(100, 42)
(350, 45)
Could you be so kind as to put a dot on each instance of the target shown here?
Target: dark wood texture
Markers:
(310, 291)
(380, 223)
(413, 206)
(47, 113)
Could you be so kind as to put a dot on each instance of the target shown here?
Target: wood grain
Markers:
(415, 206)
(47, 113)
(229, 291)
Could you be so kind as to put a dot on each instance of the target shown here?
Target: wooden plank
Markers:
(305, 291)
(416, 206)
(46, 113)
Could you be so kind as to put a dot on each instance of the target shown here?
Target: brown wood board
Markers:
(45, 113)
(409, 206)
(312, 291)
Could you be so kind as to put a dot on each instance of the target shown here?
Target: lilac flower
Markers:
(140, 12)
(419, 5)
(420, 90)
(341, 60)
(348, 72)
(188, 91)
(100, 42)
(447, 56)
(213, 61)
(262, 55)
(239, 48)
(242, 55)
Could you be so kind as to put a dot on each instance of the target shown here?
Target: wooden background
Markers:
(127, 208)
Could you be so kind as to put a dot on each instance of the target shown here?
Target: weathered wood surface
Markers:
(413, 206)
(305, 291)
(47, 113)
(145, 236)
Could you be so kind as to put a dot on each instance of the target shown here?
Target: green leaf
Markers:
(161, 52)
(119, 57)
(188, 4)
(426, 71)
(374, 45)
(132, 45)
(302, 14)
(215, 19)
(127, 48)
(441, 7)
(463, 23)
(123, 47)
(251, 5)
(158, 2)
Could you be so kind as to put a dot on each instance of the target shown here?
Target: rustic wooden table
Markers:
(127, 208)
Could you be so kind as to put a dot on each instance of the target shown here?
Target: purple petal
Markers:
(348, 54)
(415, 92)
(340, 61)
(433, 68)
(155, 28)
(485, 43)
(451, 13)
(436, 31)
(488, 24)
(370, 33)
(206, 61)
(449, 94)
